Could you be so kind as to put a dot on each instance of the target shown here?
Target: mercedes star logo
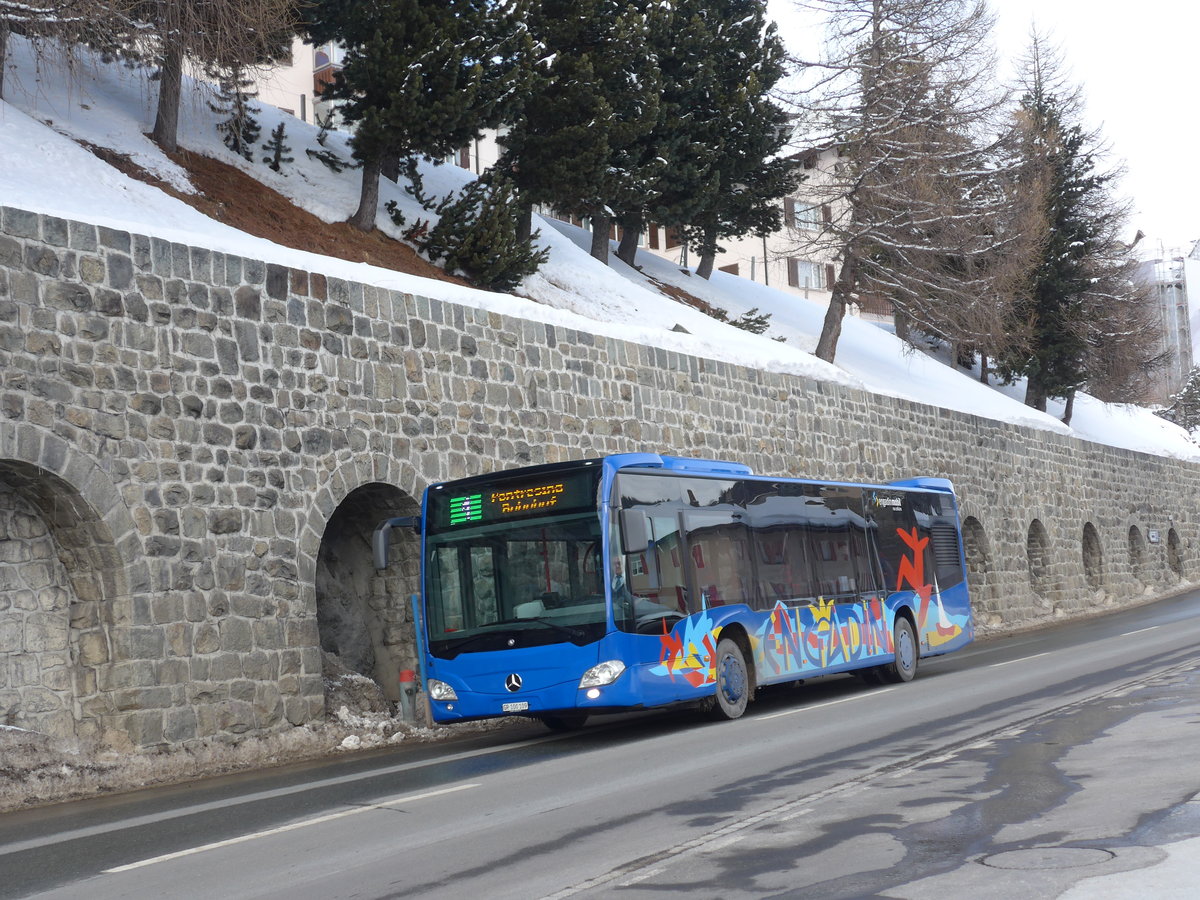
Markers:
(513, 683)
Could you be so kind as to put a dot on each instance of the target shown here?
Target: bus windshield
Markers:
(515, 565)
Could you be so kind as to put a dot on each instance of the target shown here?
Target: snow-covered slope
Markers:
(43, 167)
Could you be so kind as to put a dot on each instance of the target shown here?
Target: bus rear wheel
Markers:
(904, 666)
(733, 681)
(566, 722)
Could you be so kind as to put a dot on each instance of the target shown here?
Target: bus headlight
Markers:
(605, 673)
(439, 690)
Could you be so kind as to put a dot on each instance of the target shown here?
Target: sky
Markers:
(1137, 66)
(43, 168)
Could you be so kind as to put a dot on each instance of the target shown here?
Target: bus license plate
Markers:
(515, 707)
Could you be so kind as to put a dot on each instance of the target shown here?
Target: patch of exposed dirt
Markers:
(234, 198)
(678, 293)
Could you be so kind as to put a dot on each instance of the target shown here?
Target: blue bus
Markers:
(637, 581)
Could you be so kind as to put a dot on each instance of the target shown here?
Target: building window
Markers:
(804, 273)
(808, 217)
(799, 215)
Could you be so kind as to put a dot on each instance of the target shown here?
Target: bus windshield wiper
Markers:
(457, 647)
(561, 629)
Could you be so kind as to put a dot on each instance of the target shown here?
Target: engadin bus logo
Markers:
(466, 509)
(889, 502)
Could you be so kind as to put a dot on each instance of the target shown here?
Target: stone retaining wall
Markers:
(194, 448)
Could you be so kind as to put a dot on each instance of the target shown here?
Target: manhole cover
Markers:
(1048, 858)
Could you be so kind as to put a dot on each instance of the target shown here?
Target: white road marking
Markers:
(226, 804)
(1141, 630)
(409, 798)
(800, 709)
(1022, 659)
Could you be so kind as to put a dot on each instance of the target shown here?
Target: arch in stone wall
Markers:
(1093, 557)
(1137, 554)
(1175, 553)
(98, 567)
(1037, 555)
(978, 551)
(364, 616)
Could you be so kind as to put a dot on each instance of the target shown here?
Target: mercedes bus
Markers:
(638, 580)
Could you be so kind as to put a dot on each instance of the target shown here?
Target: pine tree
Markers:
(1184, 410)
(239, 129)
(276, 148)
(418, 78)
(478, 234)
(753, 321)
(1083, 305)
(592, 95)
(721, 81)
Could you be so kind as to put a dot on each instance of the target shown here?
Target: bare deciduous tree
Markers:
(904, 91)
(64, 22)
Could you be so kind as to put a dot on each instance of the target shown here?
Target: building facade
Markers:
(1167, 278)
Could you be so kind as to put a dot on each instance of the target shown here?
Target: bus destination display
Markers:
(482, 504)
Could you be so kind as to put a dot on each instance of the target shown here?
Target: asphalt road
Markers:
(1041, 763)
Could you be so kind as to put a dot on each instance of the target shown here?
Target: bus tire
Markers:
(565, 722)
(903, 666)
(733, 681)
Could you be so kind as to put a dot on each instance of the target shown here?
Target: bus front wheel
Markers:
(904, 666)
(733, 681)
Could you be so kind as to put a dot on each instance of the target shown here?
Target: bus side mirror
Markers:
(635, 535)
(379, 540)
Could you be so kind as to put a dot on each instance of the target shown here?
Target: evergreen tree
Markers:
(734, 175)
(1083, 306)
(239, 129)
(592, 95)
(418, 78)
(1184, 410)
(753, 321)
(276, 149)
(478, 234)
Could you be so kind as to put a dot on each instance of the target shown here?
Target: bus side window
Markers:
(667, 559)
(838, 542)
(721, 566)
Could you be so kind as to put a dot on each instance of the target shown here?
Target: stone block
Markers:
(19, 222)
(12, 635)
(114, 239)
(144, 728)
(65, 296)
(45, 631)
(180, 724)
